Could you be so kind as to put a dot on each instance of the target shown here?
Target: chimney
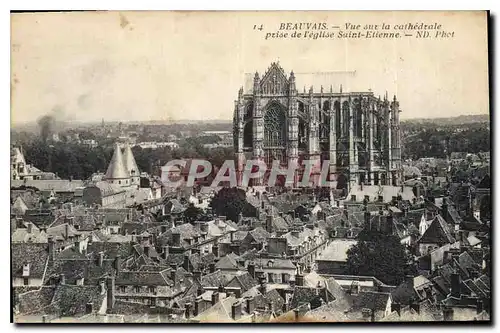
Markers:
(62, 279)
(188, 310)
(204, 227)
(52, 250)
(102, 287)
(197, 275)
(295, 233)
(448, 314)
(30, 227)
(455, 285)
(197, 306)
(479, 306)
(215, 250)
(100, 259)
(211, 267)
(231, 235)
(173, 274)
(118, 264)
(415, 307)
(164, 254)
(367, 313)
(269, 223)
(250, 304)
(88, 308)
(111, 292)
(296, 313)
(172, 221)
(251, 269)
(396, 307)
(77, 246)
(186, 264)
(367, 218)
(163, 228)
(176, 239)
(263, 285)
(215, 297)
(236, 310)
(284, 308)
(147, 250)
(299, 280)
(66, 231)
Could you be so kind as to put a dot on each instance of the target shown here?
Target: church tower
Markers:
(117, 173)
(131, 166)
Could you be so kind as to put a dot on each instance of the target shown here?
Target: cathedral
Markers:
(356, 133)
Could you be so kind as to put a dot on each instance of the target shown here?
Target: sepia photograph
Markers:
(191, 167)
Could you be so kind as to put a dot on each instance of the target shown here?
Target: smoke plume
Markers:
(48, 122)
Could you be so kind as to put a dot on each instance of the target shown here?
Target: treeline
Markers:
(69, 160)
(432, 142)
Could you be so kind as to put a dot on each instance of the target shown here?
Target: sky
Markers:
(133, 66)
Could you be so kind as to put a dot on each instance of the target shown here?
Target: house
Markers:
(29, 263)
(435, 236)
(333, 260)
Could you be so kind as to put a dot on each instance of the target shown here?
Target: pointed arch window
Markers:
(274, 127)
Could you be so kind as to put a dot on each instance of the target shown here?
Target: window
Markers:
(152, 289)
(123, 289)
(26, 281)
(137, 289)
(270, 277)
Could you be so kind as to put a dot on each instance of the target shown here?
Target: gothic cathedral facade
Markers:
(355, 132)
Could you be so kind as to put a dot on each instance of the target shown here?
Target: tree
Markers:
(230, 202)
(379, 255)
(193, 213)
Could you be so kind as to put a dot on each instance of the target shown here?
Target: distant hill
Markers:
(459, 120)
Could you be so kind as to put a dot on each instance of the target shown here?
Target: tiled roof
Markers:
(141, 278)
(226, 262)
(21, 235)
(75, 269)
(275, 263)
(215, 279)
(438, 232)
(303, 295)
(337, 250)
(72, 300)
(371, 300)
(58, 185)
(245, 281)
(35, 255)
(36, 300)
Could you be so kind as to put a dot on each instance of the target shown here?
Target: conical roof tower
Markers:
(116, 168)
(130, 164)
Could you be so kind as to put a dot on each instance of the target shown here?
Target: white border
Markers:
(8, 5)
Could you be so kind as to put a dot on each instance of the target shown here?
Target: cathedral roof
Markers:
(129, 160)
(333, 79)
(116, 168)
